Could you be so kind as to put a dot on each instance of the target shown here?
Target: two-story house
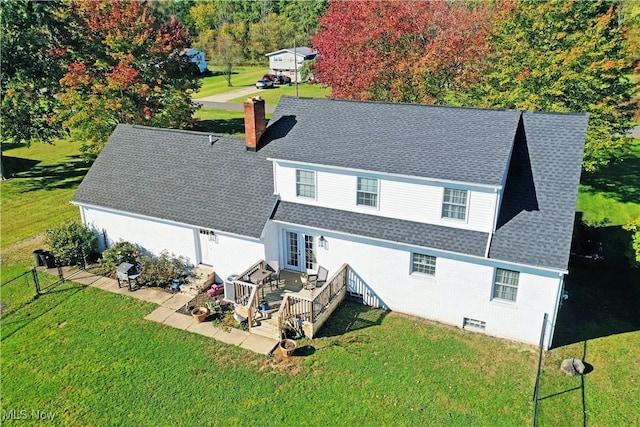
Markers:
(460, 215)
(288, 62)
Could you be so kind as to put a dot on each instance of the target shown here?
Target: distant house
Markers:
(197, 57)
(288, 62)
(460, 215)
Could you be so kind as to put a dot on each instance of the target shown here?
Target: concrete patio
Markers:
(168, 303)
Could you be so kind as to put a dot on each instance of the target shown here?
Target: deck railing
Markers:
(310, 312)
(246, 293)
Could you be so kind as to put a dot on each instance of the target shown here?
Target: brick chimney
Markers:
(254, 122)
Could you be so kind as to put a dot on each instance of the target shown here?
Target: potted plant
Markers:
(287, 347)
(200, 313)
(304, 278)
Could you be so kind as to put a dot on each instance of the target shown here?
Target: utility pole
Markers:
(295, 64)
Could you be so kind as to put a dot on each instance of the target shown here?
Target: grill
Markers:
(127, 272)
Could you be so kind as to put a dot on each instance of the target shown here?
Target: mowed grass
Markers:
(369, 368)
(43, 178)
(272, 96)
(612, 195)
(221, 121)
(89, 357)
(241, 77)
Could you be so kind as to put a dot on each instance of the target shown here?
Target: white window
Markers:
(454, 204)
(367, 192)
(305, 183)
(424, 264)
(506, 284)
(473, 323)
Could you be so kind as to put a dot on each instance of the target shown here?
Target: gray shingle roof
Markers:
(393, 230)
(457, 144)
(535, 224)
(180, 176)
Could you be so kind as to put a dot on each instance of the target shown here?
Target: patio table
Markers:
(258, 278)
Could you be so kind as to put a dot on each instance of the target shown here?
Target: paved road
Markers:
(221, 101)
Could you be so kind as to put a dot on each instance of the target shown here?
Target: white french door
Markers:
(300, 251)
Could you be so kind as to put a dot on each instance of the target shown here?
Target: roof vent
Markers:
(211, 140)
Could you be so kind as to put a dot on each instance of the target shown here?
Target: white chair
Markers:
(319, 278)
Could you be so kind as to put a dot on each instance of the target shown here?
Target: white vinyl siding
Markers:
(305, 183)
(367, 194)
(454, 204)
(399, 198)
(506, 285)
(423, 264)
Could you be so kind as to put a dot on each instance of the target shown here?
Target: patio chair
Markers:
(274, 267)
(319, 278)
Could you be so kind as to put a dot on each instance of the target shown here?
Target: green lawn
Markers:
(43, 180)
(612, 195)
(89, 357)
(222, 121)
(241, 77)
(272, 96)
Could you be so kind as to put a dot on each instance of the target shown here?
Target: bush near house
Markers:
(156, 270)
(116, 255)
(160, 270)
(71, 242)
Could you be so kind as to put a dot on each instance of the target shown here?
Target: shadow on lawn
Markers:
(67, 174)
(351, 316)
(604, 295)
(19, 316)
(222, 126)
(619, 180)
(587, 369)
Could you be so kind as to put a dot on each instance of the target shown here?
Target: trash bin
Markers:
(48, 259)
(37, 257)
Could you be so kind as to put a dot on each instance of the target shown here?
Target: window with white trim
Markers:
(367, 194)
(505, 285)
(305, 183)
(423, 264)
(454, 204)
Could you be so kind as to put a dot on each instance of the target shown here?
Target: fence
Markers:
(24, 288)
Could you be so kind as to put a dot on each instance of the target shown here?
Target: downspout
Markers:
(555, 313)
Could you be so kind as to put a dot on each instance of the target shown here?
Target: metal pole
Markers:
(536, 390)
(295, 64)
(36, 281)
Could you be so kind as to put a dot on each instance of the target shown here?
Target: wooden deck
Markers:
(289, 304)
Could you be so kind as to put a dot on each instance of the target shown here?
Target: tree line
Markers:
(80, 67)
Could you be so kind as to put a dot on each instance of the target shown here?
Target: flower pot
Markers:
(287, 347)
(200, 313)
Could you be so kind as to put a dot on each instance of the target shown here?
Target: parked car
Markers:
(264, 84)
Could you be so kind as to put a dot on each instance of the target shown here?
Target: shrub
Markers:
(71, 242)
(634, 251)
(159, 270)
(116, 255)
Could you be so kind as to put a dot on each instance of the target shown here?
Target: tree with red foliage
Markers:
(123, 66)
(400, 51)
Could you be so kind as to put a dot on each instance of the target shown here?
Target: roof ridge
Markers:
(455, 107)
(190, 132)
